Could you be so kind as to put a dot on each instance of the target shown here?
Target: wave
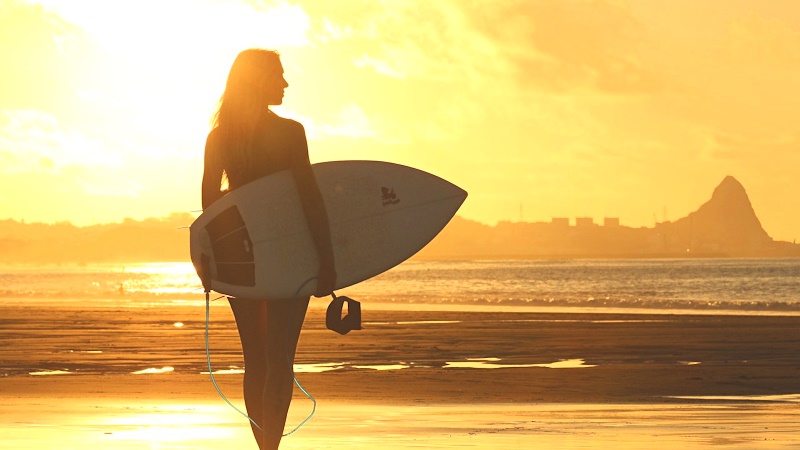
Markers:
(709, 285)
(591, 303)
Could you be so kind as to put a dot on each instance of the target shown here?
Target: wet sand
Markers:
(409, 379)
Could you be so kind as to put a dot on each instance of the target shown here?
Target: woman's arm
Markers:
(212, 173)
(315, 212)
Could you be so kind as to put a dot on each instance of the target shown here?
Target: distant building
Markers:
(584, 222)
(560, 221)
(611, 222)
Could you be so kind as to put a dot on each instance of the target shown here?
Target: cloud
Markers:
(110, 187)
(568, 45)
(758, 40)
(404, 39)
(732, 145)
(380, 66)
(352, 123)
(34, 141)
(447, 70)
(545, 44)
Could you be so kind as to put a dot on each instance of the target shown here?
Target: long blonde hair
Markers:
(243, 103)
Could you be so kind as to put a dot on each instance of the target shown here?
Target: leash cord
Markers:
(211, 371)
(288, 359)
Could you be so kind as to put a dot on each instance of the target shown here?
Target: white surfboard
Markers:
(258, 245)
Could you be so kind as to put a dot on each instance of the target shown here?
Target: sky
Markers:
(539, 109)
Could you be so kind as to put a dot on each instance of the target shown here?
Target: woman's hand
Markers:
(326, 279)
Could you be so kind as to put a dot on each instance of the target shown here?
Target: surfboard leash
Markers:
(211, 370)
(205, 268)
(288, 359)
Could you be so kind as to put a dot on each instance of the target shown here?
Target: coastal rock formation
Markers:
(727, 223)
(724, 226)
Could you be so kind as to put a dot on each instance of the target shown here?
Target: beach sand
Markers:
(409, 379)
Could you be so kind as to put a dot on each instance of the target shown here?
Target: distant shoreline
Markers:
(587, 256)
(416, 258)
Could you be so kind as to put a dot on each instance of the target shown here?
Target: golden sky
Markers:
(554, 108)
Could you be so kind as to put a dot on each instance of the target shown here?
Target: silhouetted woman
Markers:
(248, 141)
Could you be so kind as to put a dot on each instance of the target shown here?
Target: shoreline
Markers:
(667, 378)
(438, 356)
(377, 304)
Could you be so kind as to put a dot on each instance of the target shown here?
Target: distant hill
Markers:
(162, 239)
(727, 223)
(725, 226)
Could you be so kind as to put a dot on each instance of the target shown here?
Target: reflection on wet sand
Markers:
(167, 424)
(470, 363)
(791, 398)
(50, 372)
(318, 367)
(493, 363)
(154, 370)
(150, 423)
(415, 322)
(231, 371)
(384, 367)
(643, 390)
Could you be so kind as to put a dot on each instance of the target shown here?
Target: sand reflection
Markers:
(493, 363)
(788, 398)
(154, 370)
(137, 423)
(318, 368)
(50, 372)
(231, 371)
(384, 367)
(170, 423)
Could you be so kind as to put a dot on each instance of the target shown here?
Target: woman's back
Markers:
(277, 144)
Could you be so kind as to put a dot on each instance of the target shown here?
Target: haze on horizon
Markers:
(539, 109)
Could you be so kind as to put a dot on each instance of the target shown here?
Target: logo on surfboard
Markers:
(389, 197)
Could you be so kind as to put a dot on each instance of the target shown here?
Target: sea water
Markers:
(694, 284)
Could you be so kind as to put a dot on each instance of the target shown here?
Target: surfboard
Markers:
(256, 242)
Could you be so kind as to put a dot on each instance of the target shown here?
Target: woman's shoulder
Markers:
(212, 140)
(213, 136)
(284, 124)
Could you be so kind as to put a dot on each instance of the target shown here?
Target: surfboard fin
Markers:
(334, 319)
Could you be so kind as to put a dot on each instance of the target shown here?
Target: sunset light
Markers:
(544, 110)
(515, 224)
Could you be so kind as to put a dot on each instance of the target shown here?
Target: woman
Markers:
(248, 141)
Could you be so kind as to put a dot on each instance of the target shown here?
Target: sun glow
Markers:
(105, 100)
(177, 50)
(169, 423)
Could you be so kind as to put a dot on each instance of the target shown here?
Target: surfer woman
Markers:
(248, 141)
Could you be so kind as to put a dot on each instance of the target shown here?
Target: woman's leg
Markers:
(269, 332)
(284, 322)
(251, 320)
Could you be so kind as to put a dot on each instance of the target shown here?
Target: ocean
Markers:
(759, 285)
